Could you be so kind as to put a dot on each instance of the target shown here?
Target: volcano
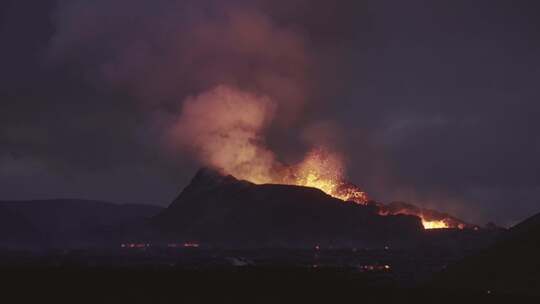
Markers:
(222, 210)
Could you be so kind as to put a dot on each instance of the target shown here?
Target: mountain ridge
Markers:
(221, 209)
(70, 222)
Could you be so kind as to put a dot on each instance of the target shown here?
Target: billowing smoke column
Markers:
(226, 72)
(224, 128)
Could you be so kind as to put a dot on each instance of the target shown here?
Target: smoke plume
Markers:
(224, 128)
(230, 72)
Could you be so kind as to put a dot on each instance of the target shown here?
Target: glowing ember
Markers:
(323, 170)
(434, 224)
(320, 169)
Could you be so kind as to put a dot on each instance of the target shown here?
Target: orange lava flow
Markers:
(324, 171)
(440, 224)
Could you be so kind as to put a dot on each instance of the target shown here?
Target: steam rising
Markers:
(224, 128)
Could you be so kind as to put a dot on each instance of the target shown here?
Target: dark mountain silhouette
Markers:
(67, 222)
(223, 210)
(511, 265)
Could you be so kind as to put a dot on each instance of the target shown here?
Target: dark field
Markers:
(232, 276)
(246, 285)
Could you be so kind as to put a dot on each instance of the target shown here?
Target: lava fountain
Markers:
(325, 171)
(224, 127)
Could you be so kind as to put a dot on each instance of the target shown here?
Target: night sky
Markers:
(432, 102)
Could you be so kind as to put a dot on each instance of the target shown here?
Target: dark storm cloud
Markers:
(59, 134)
(434, 102)
(450, 91)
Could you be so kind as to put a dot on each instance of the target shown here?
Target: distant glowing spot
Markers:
(191, 245)
(434, 224)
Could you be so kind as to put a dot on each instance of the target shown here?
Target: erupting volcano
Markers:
(224, 128)
(325, 171)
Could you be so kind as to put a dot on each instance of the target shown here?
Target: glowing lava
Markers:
(434, 224)
(431, 219)
(224, 127)
(323, 170)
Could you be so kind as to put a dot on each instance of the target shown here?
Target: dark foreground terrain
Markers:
(511, 265)
(228, 241)
(198, 275)
(222, 285)
(505, 272)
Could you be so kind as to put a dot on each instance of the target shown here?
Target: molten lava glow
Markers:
(319, 169)
(225, 128)
(434, 224)
(324, 170)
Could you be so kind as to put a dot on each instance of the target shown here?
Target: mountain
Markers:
(511, 265)
(222, 210)
(68, 222)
